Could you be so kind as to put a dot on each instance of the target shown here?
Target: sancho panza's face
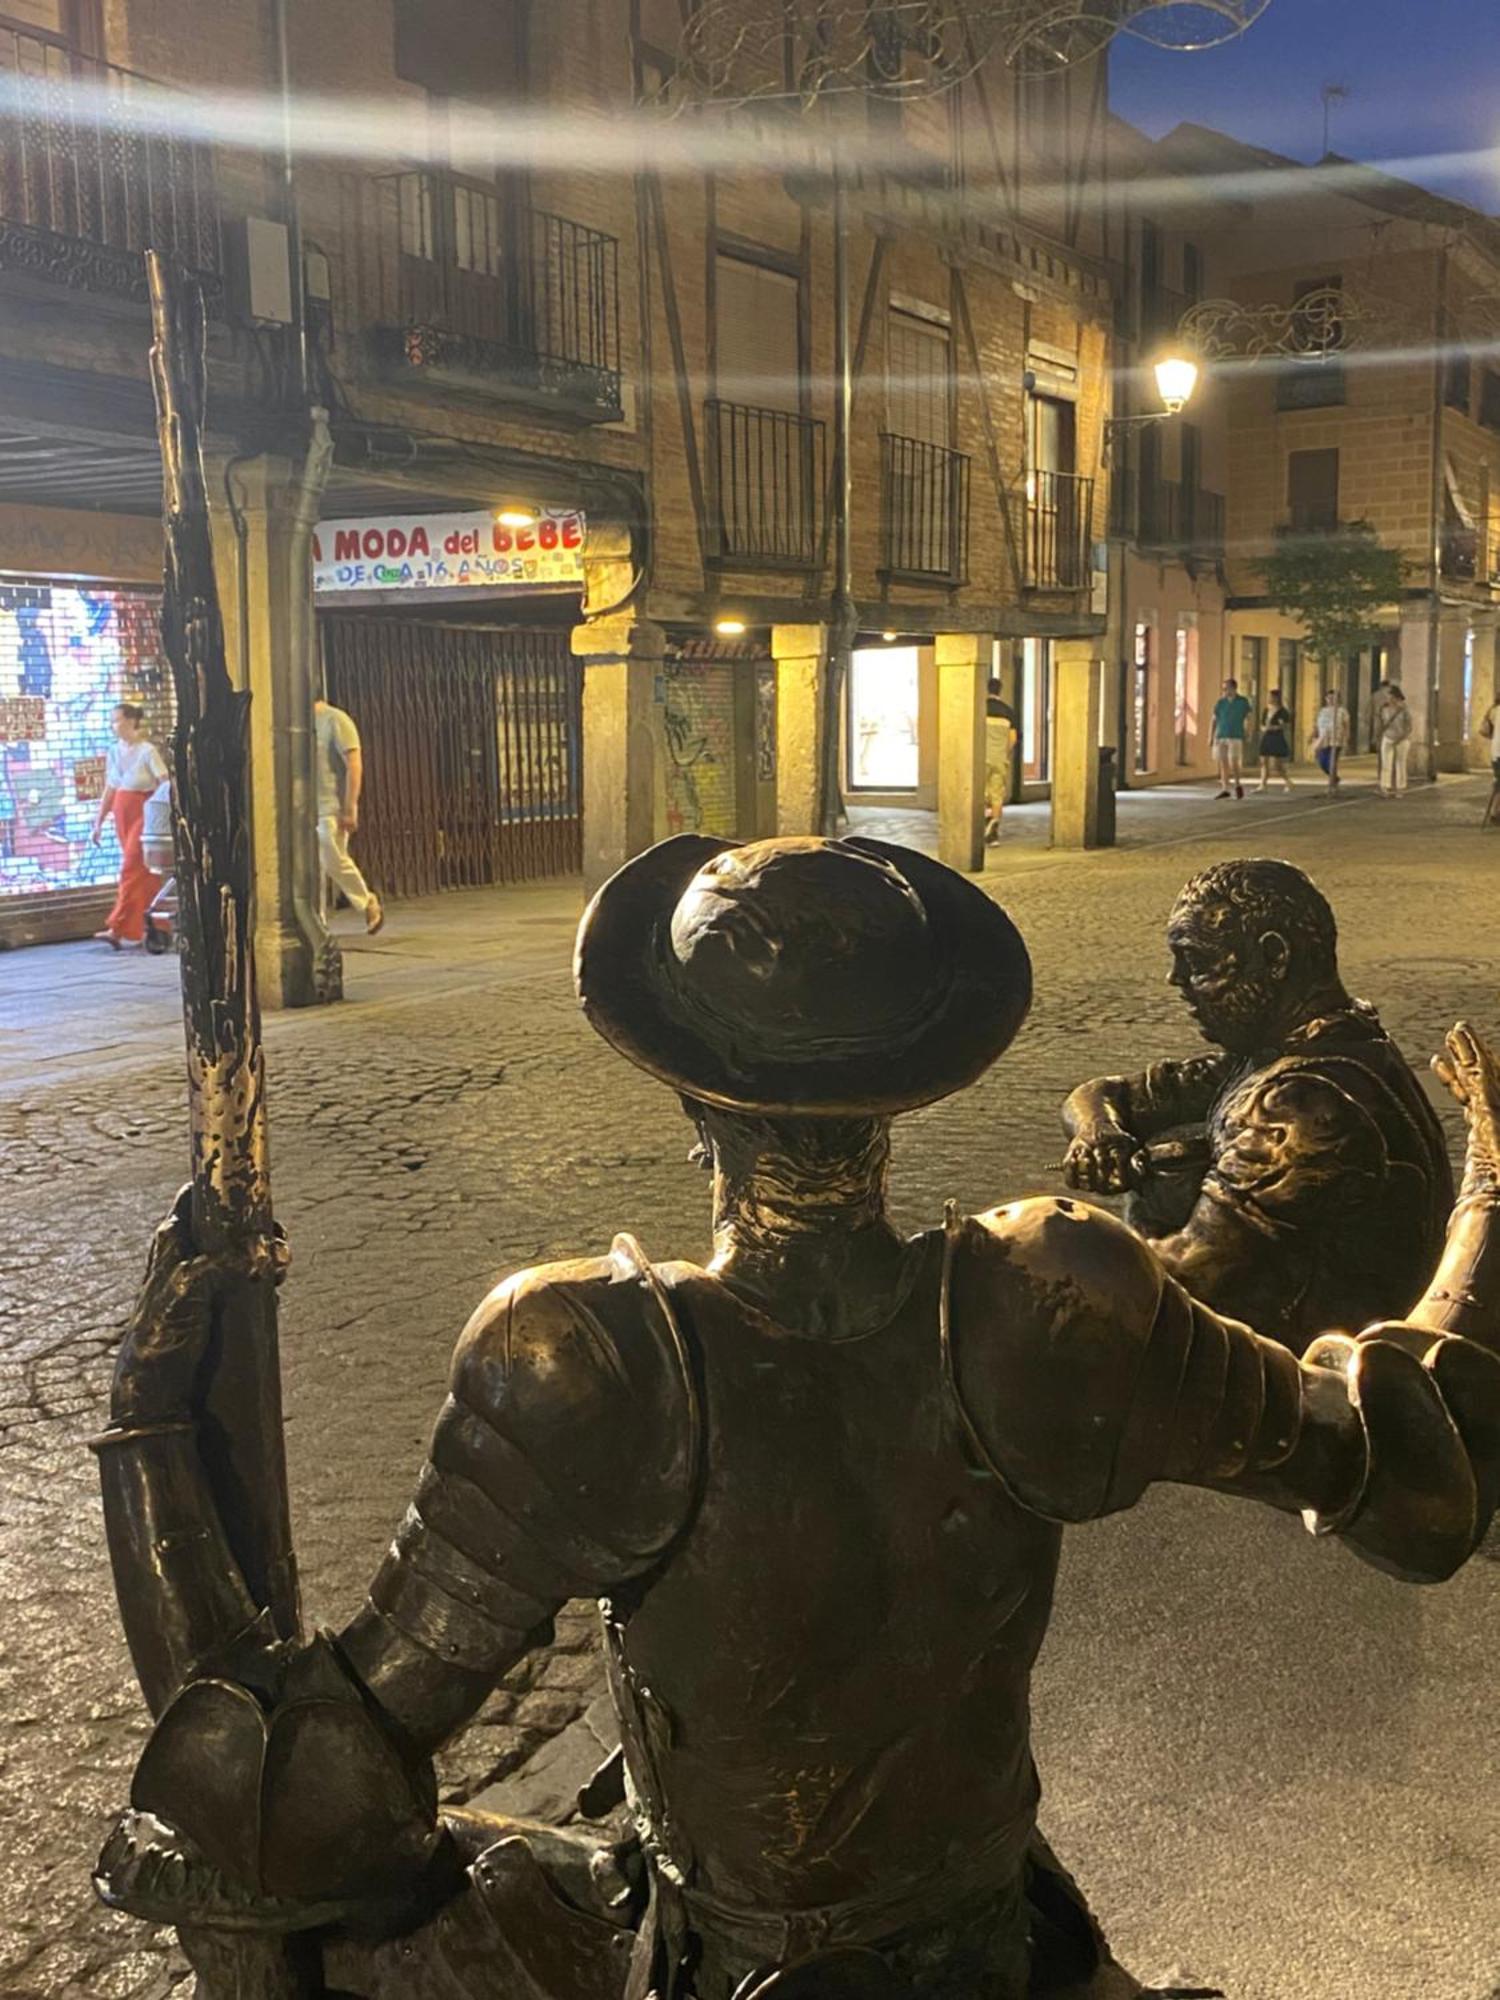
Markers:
(1222, 972)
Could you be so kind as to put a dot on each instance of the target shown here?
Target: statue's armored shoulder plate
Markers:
(1049, 1314)
(573, 1406)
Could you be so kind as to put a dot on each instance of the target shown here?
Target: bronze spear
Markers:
(240, 1434)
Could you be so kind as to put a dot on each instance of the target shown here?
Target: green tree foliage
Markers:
(1335, 584)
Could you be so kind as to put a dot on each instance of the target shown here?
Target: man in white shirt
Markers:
(341, 773)
(1330, 737)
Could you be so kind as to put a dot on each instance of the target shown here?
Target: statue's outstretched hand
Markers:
(1471, 1071)
(168, 1330)
(1105, 1160)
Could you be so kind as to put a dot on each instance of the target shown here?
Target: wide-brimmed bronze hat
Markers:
(816, 977)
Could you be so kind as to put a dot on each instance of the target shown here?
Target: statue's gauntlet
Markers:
(278, 1796)
(1429, 1410)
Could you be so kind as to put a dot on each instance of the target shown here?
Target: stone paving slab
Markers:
(1270, 1766)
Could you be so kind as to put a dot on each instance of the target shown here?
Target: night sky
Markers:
(1423, 78)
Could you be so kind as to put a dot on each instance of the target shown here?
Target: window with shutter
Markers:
(757, 338)
(1312, 491)
(919, 371)
(462, 48)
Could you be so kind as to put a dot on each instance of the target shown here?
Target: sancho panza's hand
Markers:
(1105, 1160)
(1469, 1069)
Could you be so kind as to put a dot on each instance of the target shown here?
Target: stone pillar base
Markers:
(622, 663)
(1078, 683)
(801, 656)
(265, 596)
(963, 669)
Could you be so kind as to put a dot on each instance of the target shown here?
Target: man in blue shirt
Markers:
(1231, 712)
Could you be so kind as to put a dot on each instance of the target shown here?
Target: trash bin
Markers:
(1105, 835)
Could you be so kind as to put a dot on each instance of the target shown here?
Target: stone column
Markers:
(963, 671)
(801, 656)
(270, 638)
(1452, 732)
(1416, 674)
(622, 662)
(1078, 685)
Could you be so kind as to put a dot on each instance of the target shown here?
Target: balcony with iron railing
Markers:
(92, 173)
(503, 300)
(1059, 530)
(924, 511)
(766, 480)
(1186, 521)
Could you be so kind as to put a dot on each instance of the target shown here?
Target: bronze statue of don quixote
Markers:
(818, 1485)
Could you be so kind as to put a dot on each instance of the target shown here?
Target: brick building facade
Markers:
(528, 286)
(1388, 411)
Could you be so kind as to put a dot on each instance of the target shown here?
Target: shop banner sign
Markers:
(448, 552)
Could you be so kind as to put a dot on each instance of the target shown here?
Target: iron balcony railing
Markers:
(766, 474)
(924, 510)
(1185, 519)
(493, 288)
(1059, 530)
(92, 173)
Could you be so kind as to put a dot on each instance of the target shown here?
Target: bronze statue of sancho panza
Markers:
(1304, 1181)
(818, 1485)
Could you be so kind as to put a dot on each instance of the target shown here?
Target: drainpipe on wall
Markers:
(304, 676)
(305, 682)
(1435, 518)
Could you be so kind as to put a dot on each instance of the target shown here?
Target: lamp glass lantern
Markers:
(1176, 373)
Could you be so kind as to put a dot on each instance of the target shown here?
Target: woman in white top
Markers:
(132, 772)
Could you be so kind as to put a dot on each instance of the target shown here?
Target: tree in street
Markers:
(1336, 584)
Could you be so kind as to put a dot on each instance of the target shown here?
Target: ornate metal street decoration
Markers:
(818, 1486)
(807, 50)
(1320, 325)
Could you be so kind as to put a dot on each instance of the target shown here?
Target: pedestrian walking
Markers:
(1232, 711)
(1330, 736)
(341, 776)
(1489, 729)
(133, 769)
(1275, 747)
(999, 745)
(1393, 740)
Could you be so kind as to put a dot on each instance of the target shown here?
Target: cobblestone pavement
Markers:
(1272, 1767)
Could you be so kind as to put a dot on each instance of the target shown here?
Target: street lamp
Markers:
(1176, 371)
(1176, 375)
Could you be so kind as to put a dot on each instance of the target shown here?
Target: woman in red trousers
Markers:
(132, 773)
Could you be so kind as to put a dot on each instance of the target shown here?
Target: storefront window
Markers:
(68, 654)
(1036, 710)
(1185, 692)
(1141, 696)
(883, 702)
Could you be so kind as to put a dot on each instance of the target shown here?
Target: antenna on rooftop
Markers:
(1333, 93)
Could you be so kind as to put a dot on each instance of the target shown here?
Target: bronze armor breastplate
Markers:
(827, 1680)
